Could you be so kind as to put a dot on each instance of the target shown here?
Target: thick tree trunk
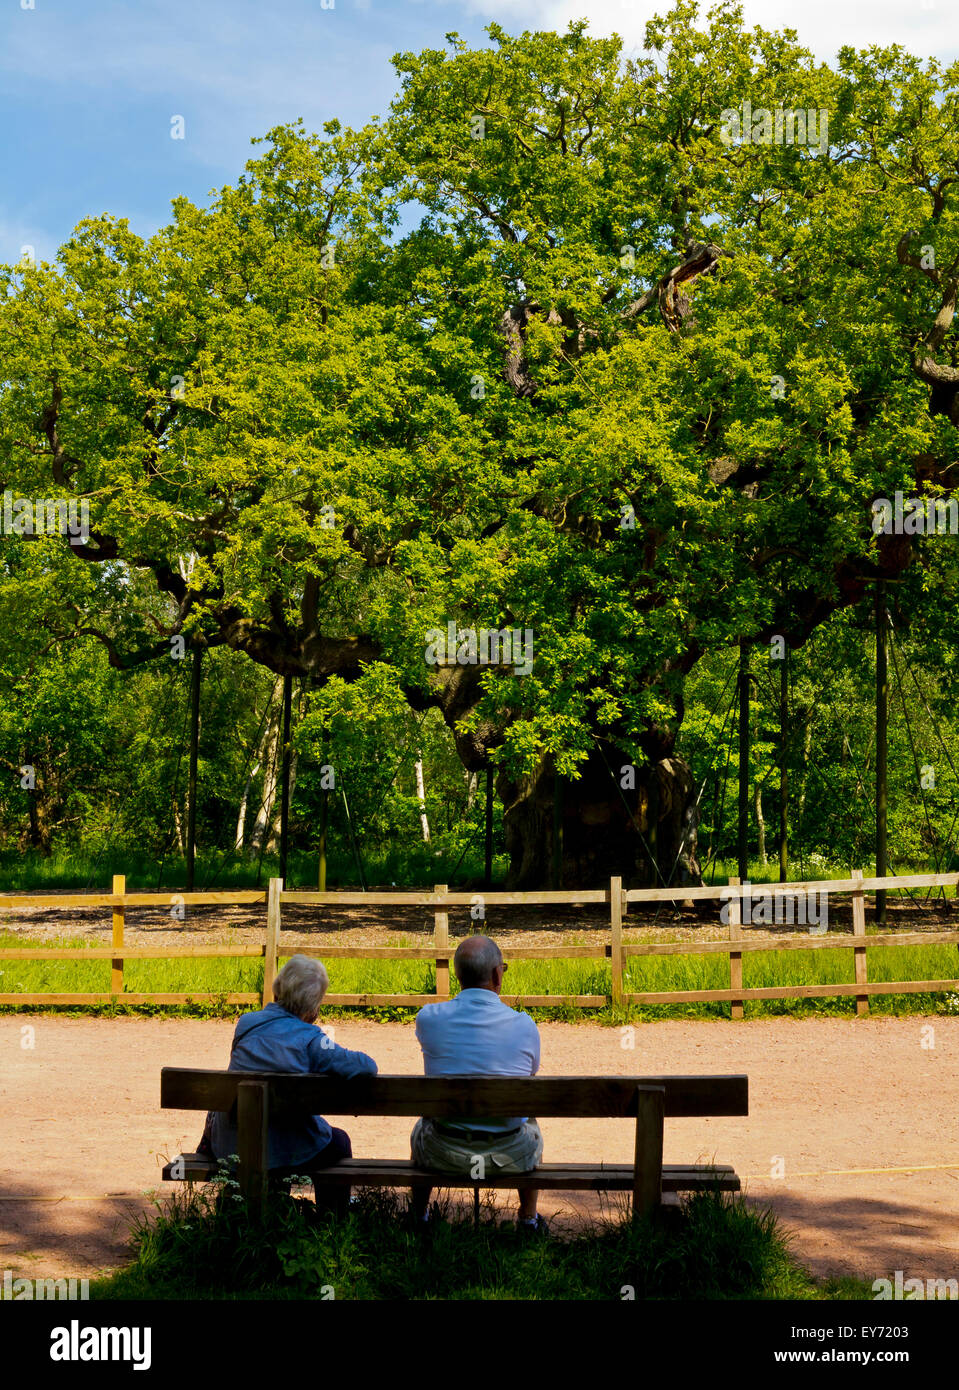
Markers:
(639, 823)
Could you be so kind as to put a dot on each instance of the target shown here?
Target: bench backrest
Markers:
(183, 1088)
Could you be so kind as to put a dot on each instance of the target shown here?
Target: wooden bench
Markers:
(647, 1099)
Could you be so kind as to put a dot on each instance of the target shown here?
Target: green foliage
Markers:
(307, 434)
(206, 1246)
(830, 750)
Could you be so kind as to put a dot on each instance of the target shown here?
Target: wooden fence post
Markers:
(272, 951)
(119, 919)
(648, 1162)
(859, 952)
(252, 1142)
(441, 941)
(616, 935)
(735, 957)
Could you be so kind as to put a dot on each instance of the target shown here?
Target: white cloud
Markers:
(924, 26)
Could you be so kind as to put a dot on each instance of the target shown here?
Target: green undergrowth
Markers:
(205, 1246)
(225, 975)
(89, 872)
(412, 867)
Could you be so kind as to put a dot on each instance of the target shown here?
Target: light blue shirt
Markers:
(273, 1039)
(476, 1034)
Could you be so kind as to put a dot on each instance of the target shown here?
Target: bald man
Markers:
(476, 1034)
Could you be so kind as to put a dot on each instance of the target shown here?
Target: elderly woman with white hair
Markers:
(284, 1037)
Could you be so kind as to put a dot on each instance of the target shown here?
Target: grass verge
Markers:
(223, 975)
(204, 1246)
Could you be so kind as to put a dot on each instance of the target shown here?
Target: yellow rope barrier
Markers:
(845, 1172)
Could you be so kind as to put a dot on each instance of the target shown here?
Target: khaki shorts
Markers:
(444, 1153)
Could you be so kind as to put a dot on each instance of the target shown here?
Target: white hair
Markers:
(300, 986)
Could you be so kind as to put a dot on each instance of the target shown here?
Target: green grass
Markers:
(417, 866)
(224, 975)
(815, 869)
(414, 867)
(769, 969)
(91, 873)
(204, 1246)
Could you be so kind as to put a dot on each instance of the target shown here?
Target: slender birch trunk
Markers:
(274, 839)
(241, 817)
(760, 823)
(421, 796)
(264, 816)
(807, 753)
(179, 827)
(261, 754)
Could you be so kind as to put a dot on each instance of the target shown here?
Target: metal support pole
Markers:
(882, 732)
(195, 680)
(783, 770)
(324, 821)
(742, 839)
(355, 846)
(285, 775)
(557, 875)
(488, 848)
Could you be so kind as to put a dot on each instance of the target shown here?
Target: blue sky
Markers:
(88, 87)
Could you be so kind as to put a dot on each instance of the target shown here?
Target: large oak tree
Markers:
(546, 349)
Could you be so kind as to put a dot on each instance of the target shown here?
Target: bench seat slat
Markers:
(382, 1172)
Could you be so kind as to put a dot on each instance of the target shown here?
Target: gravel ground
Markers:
(858, 1115)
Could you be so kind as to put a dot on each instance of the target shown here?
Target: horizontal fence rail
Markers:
(735, 896)
(119, 900)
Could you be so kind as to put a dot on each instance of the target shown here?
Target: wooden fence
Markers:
(616, 950)
(119, 900)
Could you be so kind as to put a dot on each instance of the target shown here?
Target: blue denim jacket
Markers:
(273, 1039)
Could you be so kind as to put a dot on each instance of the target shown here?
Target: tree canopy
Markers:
(544, 349)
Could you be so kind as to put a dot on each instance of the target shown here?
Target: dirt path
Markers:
(82, 1134)
(573, 925)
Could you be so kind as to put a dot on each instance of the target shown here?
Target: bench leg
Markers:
(335, 1201)
(252, 1111)
(419, 1200)
(648, 1166)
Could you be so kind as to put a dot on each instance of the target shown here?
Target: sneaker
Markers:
(539, 1227)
